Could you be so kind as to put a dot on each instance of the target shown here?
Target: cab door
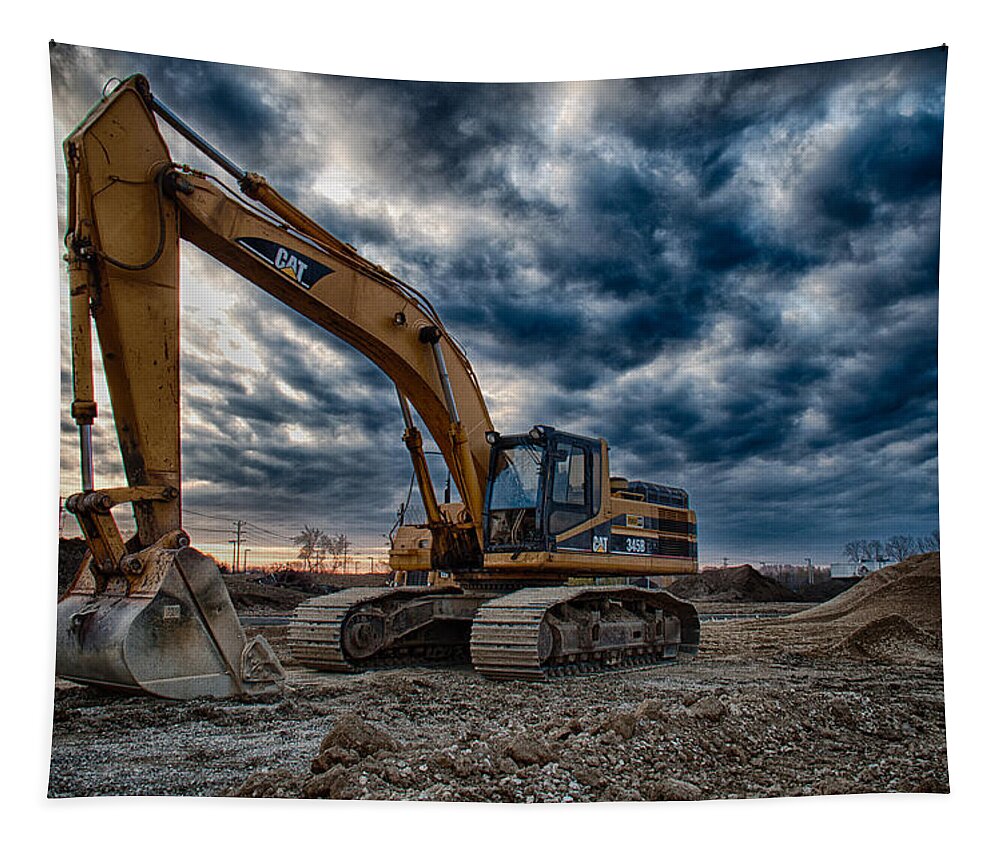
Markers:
(570, 491)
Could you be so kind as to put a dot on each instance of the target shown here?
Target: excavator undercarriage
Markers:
(531, 634)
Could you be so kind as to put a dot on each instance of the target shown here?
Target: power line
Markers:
(269, 532)
(202, 514)
(284, 537)
(272, 540)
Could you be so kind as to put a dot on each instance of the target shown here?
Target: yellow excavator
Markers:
(512, 575)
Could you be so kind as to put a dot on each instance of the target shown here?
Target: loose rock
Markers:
(709, 708)
(280, 783)
(334, 756)
(352, 733)
(335, 783)
(527, 749)
(670, 789)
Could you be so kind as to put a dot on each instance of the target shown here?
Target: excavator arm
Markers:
(129, 207)
(360, 303)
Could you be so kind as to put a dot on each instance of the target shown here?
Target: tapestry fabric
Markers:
(663, 524)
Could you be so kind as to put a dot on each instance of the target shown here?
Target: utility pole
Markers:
(809, 571)
(238, 541)
(246, 556)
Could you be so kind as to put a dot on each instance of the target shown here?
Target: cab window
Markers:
(571, 487)
(570, 480)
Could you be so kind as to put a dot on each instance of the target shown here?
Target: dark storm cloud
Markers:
(731, 276)
(437, 139)
(891, 393)
(896, 158)
(346, 438)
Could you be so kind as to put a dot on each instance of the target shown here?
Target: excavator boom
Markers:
(130, 205)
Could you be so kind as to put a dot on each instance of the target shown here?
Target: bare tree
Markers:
(855, 550)
(323, 549)
(341, 546)
(899, 547)
(314, 545)
(929, 543)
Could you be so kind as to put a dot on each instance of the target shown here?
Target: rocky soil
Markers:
(842, 698)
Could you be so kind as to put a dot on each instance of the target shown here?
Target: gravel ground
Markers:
(839, 698)
(770, 707)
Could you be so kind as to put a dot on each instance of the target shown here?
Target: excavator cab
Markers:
(540, 485)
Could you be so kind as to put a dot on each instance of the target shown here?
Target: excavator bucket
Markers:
(166, 628)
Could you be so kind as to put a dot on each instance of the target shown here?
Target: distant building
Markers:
(795, 576)
(846, 570)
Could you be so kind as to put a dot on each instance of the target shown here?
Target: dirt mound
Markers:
(250, 595)
(671, 789)
(324, 582)
(279, 783)
(892, 639)
(823, 591)
(284, 590)
(71, 553)
(910, 589)
(732, 585)
(297, 580)
(526, 749)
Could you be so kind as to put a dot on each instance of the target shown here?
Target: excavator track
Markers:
(539, 633)
(363, 628)
(531, 634)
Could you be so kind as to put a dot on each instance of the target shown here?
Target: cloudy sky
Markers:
(732, 277)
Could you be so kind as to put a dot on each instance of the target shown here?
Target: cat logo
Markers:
(600, 543)
(294, 267)
(301, 270)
